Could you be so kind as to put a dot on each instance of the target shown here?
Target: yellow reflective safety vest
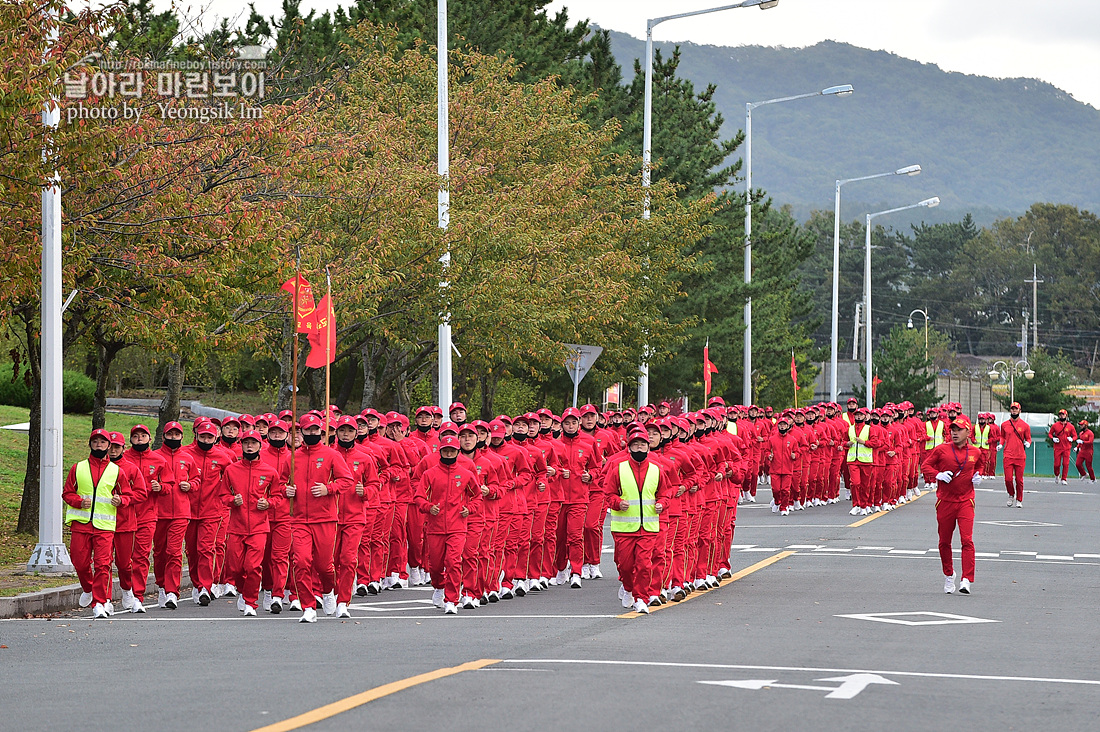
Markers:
(102, 512)
(731, 427)
(981, 434)
(934, 439)
(641, 514)
(857, 452)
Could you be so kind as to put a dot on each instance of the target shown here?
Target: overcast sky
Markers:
(1054, 40)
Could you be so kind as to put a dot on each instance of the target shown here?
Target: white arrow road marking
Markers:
(850, 686)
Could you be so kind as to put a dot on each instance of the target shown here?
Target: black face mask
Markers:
(568, 435)
(139, 448)
(448, 460)
(784, 430)
(1061, 419)
(116, 458)
(556, 433)
(229, 440)
(346, 444)
(481, 444)
(371, 432)
(638, 455)
(99, 454)
(423, 427)
(361, 438)
(519, 436)
(467, 453)
(204, 446)
(683, 440)
(311, 440)
(277, 444)
(250, 455)
(173, 444)
(1015, 416)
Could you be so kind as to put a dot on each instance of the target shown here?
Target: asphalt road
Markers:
(784, 647)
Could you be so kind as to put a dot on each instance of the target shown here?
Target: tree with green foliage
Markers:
(1045, 392)
(905, 371)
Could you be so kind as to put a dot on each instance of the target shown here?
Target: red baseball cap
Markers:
(116, 438)
(457, 405)
(173, 426)
(423, 410)
(1014, 404)
(589, 409)
(279, 425)
(448, 427)
(100, 433)
(346, 421)
(497, 428)
(309, 420)
(140, 428)
(251, 435)
(962, 422)
(206, 428)
(371, 412)
(448, 441)
(571, 412)
(286, 415)
(231, 420)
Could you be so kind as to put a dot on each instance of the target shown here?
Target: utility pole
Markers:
(855, 334)
(1034, 305)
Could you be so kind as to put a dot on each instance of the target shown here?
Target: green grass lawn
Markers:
(15, 548)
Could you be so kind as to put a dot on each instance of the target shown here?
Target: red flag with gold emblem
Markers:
(304, 308)
(324, 331)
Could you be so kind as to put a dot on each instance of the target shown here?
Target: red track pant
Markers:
(380, 542)
(472, 555)
(201, 536)
(708, 525)
(518, 549)
(143, 549)
(220, 540)
(348, 539)
(550, 539)
(538, 537)
(124, 558)
(277, 557)
(312, 552)
(445, 563)
(90, 549)
(244, 558)
(498, 549)
(571, 530)
(634, 559)
(950, 514)
(399, 542)
(1084, 463)
(1014, 478)
(486, 580)
(989, 462)
(593, 530)
(1061, 462)
(414, 533)
(781, 490)
(168, 553)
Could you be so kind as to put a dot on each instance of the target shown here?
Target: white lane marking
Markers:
(875, 548)
(849, 688)
(806, 546)
(745, 667)
(831, 549)
(1062, 557)
(1018, 523)
(934, 555)
(926, 618)
(1024, 554)
(1086, 556)
(294, 618)
(910, 551)
(761, 549)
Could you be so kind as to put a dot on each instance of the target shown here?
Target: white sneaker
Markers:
(240, 603)
(641, 607)
(1010, 502)
(361, 590)
(964, 586)
(493, 597)
(622, 592)
(712, 581)
(230, 590)
(534, 585)
(562, 577)
(628, 602)
(784, 512)
(506, 593)
(374, 588)
(863, 511)
(387, 583)
(276, 605)
(137, 607)
(266, 601)
(109, 607)
(949, 584)
(309, 615)
(342, 610)
(586, 572)
(249, 611)
(398, 583)
(295, 604)
(437, 598)
(854, 511)
(1019, 504)
(204, 598)
(1064, 482)
(575, 582)
(99, 611)
(414, 576)
(752, 498)
(127, 599)
(328, 603)
(797, 505)
(450, 609)
(594, 571)
(774, 508)
(467, 602)
(171, 601)
(86, 598)
(195, 595)
(218, 590)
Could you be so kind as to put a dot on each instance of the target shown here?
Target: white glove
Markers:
(976, 479)
(1027, 444)
(1000, 447)
(1078, 442)
(1055, 439)
(945, 476)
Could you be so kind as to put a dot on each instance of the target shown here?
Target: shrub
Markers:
(14, 393)
(78, 396)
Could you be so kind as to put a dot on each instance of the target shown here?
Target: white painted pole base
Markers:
(50, 559)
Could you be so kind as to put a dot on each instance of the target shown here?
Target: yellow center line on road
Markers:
(343, 705)
(738, 575)
(872, 517)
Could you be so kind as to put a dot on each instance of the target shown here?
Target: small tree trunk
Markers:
(169, 410)
(28, 506)
(348, 383)
(367, 353)
(286, 366)
(105, 356)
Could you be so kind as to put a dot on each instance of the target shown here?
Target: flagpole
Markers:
(328, 348)
(294, 378)
(794, 380)
(706, 371)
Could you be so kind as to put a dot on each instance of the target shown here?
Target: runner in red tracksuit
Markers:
(207, 510)
(513, 507)
(150, 464)
(479, 525)
(92, 534)
(248, 488)
(429, 439)
(447, 494)
(352, 513)
(607, 443)
(1016, 438)
(173, 513)
(543, 451)
(126, 520)
(1084, 446)
(320, 474)
(412, 451)
(394, 475)
(955, 467)
(1064, 436)
(276, 566)
(782, 456)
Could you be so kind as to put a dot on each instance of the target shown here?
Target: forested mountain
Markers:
(990, 147)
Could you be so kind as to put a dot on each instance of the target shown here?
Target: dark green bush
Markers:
(79, 390)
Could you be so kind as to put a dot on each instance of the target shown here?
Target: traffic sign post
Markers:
(579, 362)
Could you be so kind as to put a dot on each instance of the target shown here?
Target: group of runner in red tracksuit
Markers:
(491, 511)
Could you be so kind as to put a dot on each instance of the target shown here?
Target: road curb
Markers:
(62, 599)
